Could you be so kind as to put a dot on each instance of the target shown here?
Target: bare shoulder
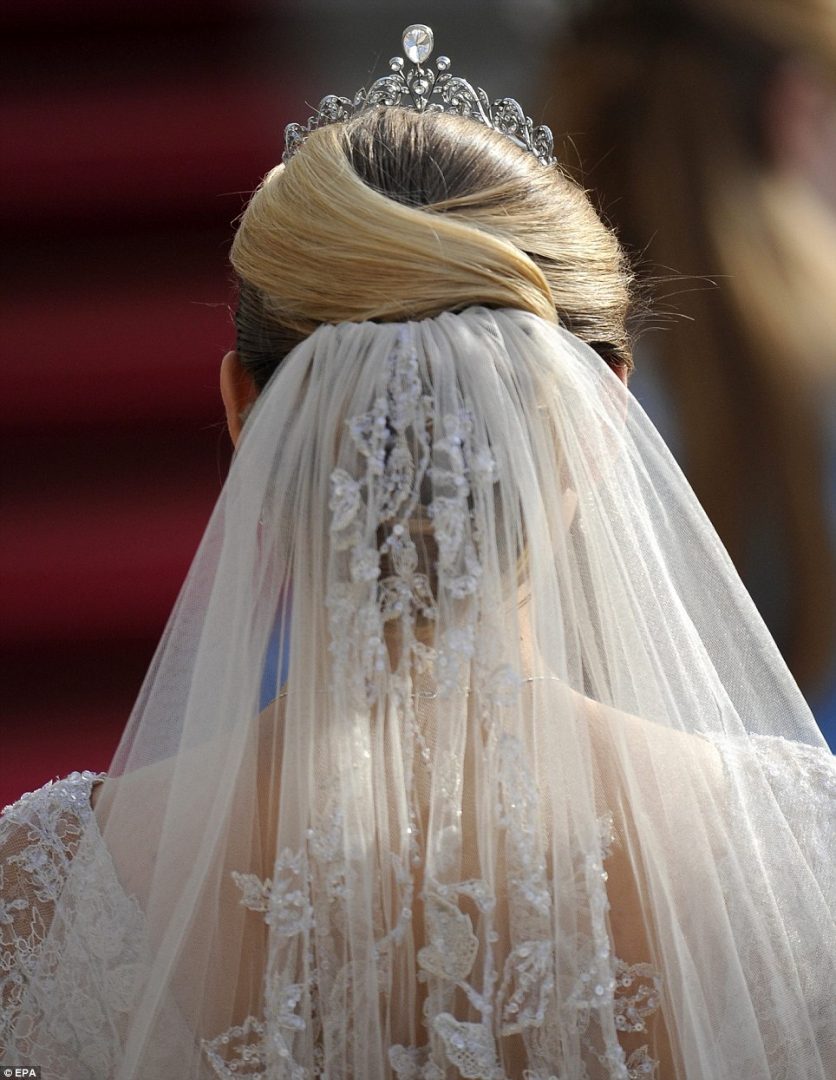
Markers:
(622, 737)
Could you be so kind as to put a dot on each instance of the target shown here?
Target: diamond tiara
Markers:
(415, 87)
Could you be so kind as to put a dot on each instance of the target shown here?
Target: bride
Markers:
(465, 752)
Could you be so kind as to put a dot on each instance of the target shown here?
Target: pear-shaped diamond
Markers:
(417, 42)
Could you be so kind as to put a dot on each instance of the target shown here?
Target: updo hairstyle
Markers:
(397, 215)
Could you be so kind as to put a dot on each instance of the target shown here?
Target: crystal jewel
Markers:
(417, 42)
(424, 90)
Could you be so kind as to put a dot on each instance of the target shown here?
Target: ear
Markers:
(238, 391)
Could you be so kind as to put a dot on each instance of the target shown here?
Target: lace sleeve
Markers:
(803, 780)
(39, 835)
(73, 943)
(804, 774)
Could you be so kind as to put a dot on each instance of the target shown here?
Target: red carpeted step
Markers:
(141, 152)
(122, 168)
(116, 357)
(105, 570)
(39, 747)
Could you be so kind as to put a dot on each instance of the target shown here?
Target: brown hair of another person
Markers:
(666, 102)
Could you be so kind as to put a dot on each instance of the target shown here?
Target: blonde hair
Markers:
(665, 103)
(395, 215)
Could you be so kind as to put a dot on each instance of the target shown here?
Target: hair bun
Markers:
(395, 215)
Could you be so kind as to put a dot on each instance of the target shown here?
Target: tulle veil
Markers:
(530, 792)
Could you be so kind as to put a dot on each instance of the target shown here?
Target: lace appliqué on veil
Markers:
(397, 456)
(523, 1000)
(519, 998)
(508, 988)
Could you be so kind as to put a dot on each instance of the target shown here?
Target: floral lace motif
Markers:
(43, 832)
(63, 911)
(38, 838)
(519, 1001)
(411, 458)
(263, 1047)
(393, 439)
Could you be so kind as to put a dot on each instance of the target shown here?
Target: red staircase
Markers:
(131, 134)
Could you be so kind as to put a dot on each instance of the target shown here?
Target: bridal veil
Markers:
(537, 796)
(464, 752)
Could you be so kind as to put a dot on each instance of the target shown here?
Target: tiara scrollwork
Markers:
(423, 89)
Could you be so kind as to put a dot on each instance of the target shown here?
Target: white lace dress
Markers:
(47, 830)
(41, 836)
